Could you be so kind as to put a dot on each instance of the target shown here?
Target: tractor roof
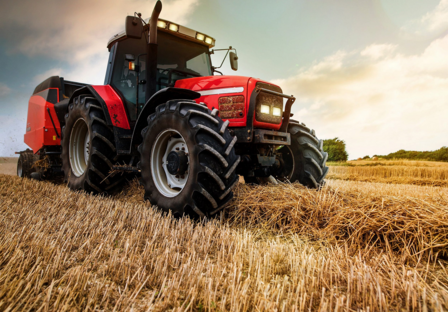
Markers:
(174, 29)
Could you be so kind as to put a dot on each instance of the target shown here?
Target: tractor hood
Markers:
(230, 94)
(216, 83)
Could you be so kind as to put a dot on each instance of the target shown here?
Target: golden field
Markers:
(352, 246)
(392, 171)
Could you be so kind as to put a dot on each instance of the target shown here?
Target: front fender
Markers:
(158, 98)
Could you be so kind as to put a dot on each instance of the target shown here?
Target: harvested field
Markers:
(398, 172)
(352, 246)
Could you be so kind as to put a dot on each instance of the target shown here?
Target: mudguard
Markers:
(158, 98)
(90, 90)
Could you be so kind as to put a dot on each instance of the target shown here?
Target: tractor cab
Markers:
(182, 53)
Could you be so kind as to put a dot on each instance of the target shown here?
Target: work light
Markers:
(277, 112)
(173, 27)
(264, 109)
(208, 40)
(161, 24)
(200, 36)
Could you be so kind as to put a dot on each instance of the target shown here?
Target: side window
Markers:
(141, 76)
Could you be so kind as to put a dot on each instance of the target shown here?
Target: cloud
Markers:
(72, 30)
(432, 22)
(376, 99)
(4, 90)
(75, 33)
(51, 72)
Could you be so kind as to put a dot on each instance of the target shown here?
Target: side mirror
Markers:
(233, 60)
(133, 27)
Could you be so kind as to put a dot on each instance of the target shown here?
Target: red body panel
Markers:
(39, 129)
(114, 105)
(222, 82)
(217, 82)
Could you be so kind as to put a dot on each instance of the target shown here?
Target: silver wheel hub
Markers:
(19, 168)
(79, 147)
(167, 183)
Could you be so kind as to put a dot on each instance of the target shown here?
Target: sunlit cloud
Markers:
(432, 22)
(376, 99)
(76, 33)
(51, 72)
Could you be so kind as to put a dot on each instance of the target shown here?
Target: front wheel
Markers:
(187, 159)
(304, 160)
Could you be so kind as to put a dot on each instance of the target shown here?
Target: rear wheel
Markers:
(88, 149)
(187, 160)
(304, 160)
(25, 164)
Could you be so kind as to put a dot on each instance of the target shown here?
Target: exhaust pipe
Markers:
(151, 53)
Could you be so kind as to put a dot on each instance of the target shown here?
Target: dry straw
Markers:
(66, 251)
(401, 171)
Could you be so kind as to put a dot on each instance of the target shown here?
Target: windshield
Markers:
(177, 59)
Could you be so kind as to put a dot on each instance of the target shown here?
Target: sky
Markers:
(373, 73)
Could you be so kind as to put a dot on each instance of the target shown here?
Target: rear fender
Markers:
(90, 90)
(158, 98)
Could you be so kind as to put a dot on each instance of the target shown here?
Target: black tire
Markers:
(304, 160)
(25, 164)
(212, 159)
(96, 177)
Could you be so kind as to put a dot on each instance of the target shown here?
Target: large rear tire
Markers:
(88, 149)
(187, 160)
(304, 160)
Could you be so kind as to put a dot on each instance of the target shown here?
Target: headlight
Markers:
(277, 112)
(264, 109)
(173, 27)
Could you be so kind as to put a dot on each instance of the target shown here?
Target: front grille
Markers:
(231, 106)
(270, 100)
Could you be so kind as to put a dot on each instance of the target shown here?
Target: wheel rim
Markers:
(19, 168)
(79, 148)
(169, 185)
(288, 162)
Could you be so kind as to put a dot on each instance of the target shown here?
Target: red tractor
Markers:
(163, 114)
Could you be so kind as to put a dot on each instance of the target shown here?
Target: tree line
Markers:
(336, 150)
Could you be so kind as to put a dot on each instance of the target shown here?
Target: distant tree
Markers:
(366, 157)
(335, 149)
(438, 155)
